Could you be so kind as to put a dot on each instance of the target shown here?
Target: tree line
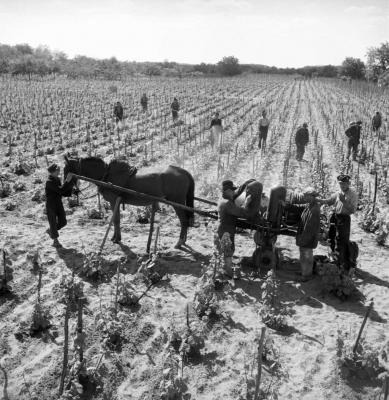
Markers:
(22, 59)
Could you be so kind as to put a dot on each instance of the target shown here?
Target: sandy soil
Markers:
(307, 352)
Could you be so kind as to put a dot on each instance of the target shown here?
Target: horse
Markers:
(174, 184)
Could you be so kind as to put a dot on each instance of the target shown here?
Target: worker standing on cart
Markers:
(345, 203)
(216, 131)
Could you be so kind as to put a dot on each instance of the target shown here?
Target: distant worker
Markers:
(353, 132)
(216, 131)
(301, 140)
(308, 229)
(376, 121)
(175, 107)
(118, 112)
(345, 203)
(143, 101)
(54, 192)
(263, 129)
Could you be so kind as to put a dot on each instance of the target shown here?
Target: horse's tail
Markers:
(190, 198)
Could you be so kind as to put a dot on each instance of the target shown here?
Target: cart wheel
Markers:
(265, 260)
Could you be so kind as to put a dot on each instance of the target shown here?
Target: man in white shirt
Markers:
(345, 203)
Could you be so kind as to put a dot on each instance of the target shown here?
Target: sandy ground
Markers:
(307, 352)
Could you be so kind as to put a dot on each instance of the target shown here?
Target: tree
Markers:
(377, 60)
(229, 66)
(353, 67)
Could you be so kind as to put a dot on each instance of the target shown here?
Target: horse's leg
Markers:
(184, 227)
(116, 223)
(115, 206)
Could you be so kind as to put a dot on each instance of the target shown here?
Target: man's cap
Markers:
(305, 124)
(310, 191)
(52, 168)
(228, 185)
(343, 178)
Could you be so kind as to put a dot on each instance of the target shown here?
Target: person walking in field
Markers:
(263, 129)
(301, 140)
(175, 107)
(376, 122)
(353, 133)
(54, 207)
(345, 203)
(118, 112)
(144, 101)
(308, 228)
(216, 131)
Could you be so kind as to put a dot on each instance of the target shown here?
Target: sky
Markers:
(283, 33)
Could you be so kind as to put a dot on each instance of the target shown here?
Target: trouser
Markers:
(57, 219)
(340, 238)
(144, 107)
(300, 150)
(216, 137)
(174, 114)
(306, 261)
(352, 147)
(262, 140)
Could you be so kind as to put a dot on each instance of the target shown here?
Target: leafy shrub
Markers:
(272, 312)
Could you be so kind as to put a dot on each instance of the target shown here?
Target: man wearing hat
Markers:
(345, 203)
(301, 140)
(308, 228)
(353, 132)
(54, 207)
(228, 211)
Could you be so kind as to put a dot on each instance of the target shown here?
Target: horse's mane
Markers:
(121, 167)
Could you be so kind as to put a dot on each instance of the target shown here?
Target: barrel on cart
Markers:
(265, 256)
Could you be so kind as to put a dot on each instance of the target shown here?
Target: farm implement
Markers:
(276, 221)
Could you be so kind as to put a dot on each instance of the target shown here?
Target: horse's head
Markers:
(71, 165)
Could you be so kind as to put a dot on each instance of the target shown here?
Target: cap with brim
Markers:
(228, 185)
(53, 168)
(343, 178)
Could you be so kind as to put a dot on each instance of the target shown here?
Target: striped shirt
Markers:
(345, 203)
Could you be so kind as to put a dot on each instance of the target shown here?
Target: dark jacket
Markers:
(118, 111)
(353, 132)
(302, 136)
(216, 122)
(229, 212)
(309, 227)
(377, 121)
(144, 100)
(54, 191)
(175, 106)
